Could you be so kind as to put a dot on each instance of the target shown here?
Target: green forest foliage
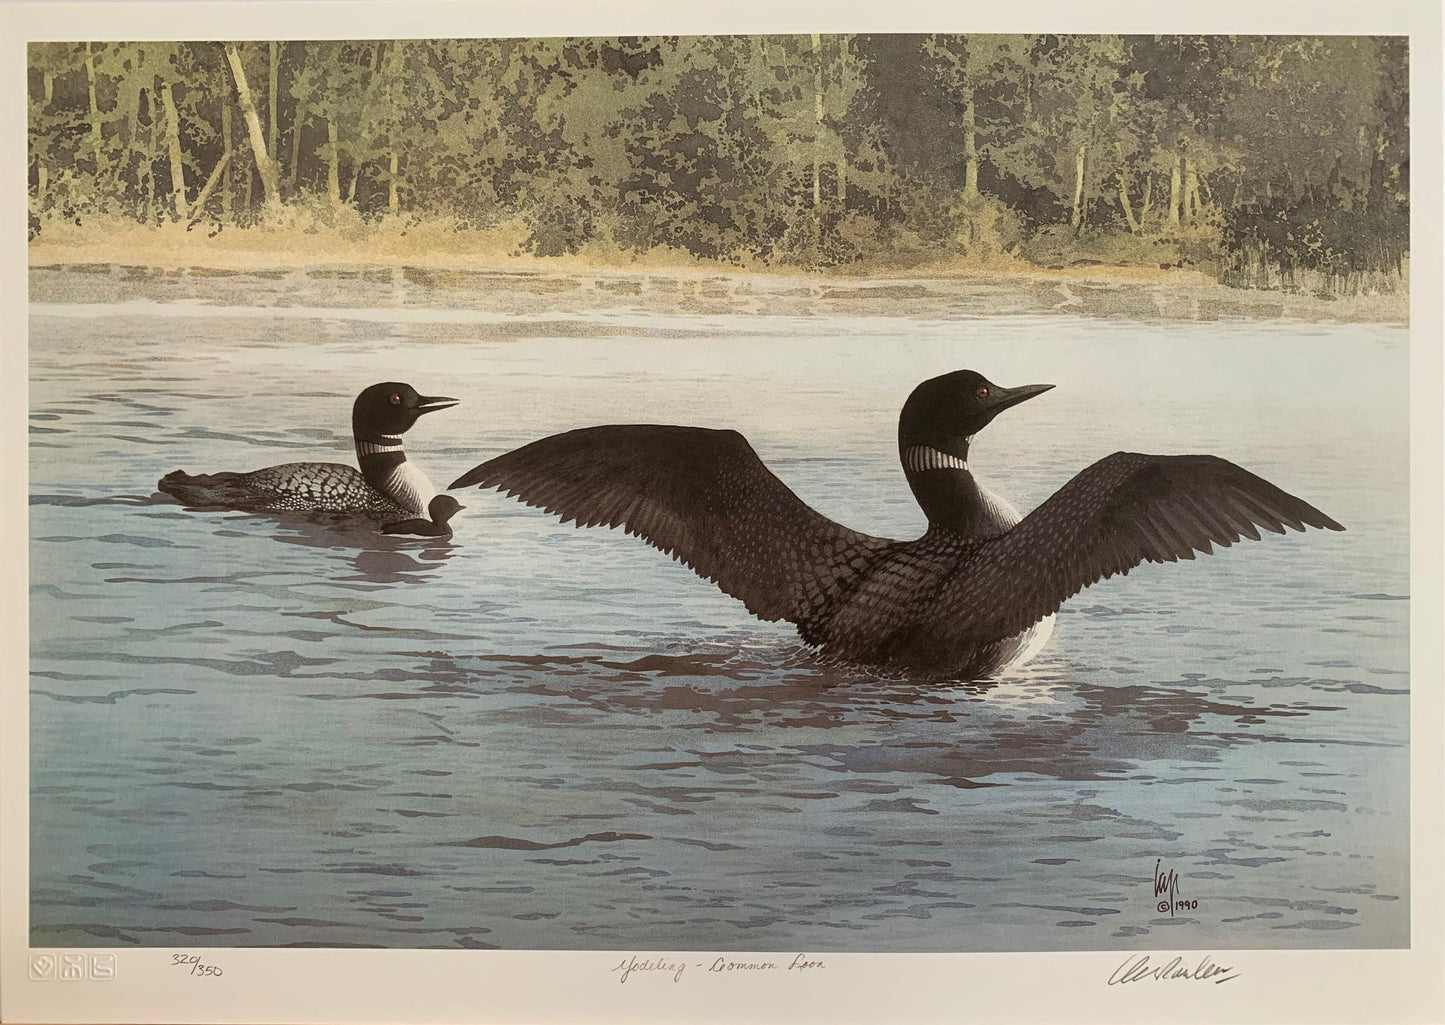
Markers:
(1261, 155)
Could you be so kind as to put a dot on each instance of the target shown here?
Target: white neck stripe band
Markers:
(369, 448)
(922, 457)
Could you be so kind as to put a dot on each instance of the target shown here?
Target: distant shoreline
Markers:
(172, 246)
(1137, 292)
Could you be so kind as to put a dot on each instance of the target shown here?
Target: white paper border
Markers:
(270, 985)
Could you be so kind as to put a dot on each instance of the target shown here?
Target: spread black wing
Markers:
(701, 495)
(1123, 510)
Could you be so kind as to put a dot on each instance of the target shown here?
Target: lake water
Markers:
(247, 731)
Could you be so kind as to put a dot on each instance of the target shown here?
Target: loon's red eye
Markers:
(394, 398)
(981, 391)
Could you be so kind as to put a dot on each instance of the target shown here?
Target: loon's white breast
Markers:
(409, 488)
(1030, 641)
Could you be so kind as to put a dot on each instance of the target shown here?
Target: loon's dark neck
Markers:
(950, 496)
(377, 455)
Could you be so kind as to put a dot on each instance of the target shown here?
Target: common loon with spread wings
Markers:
(388, 489)
(975, 595)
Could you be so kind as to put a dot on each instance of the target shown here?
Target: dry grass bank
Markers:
(306, 243)
(1098, 289)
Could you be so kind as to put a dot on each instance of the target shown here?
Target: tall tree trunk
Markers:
(363, 131)
(1078, 219)
(264, 163)
(392, 205)
(272, 91)
(1148, 203)
(135, 153)
(817, 130)
(42, 169)
(97, 142)
(1191, 192)
(761, 43)
(1184, 172)
(152, 199)
(1374, 194)
(845, 80)
(333, 159)
(228, 198)
(1175, 188)
(209, 187)
(1124, 201)
(297, 123)
(970, 148)
(173, 148)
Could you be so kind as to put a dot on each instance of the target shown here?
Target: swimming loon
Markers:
(973, 596)
(388, 489)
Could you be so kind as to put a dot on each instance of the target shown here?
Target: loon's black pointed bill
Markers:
(1006, 397)
(432, 403)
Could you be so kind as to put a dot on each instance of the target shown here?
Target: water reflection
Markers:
(1056, 727)
(85, 502)
(374, 557)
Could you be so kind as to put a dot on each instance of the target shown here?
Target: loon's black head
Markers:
(944, 413)
(390, 408)
(442, 508)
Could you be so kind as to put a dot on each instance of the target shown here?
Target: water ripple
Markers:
(293, 731)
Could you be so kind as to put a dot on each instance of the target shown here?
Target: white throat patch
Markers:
(371, 448)
(922, 457)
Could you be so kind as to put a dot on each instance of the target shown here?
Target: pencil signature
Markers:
(1137, 968)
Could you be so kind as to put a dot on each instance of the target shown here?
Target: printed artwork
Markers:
(886, 493)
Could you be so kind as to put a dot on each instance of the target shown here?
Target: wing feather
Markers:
(1126, 509)
(704, 497)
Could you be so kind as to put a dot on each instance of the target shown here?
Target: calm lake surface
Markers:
(249, 731)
